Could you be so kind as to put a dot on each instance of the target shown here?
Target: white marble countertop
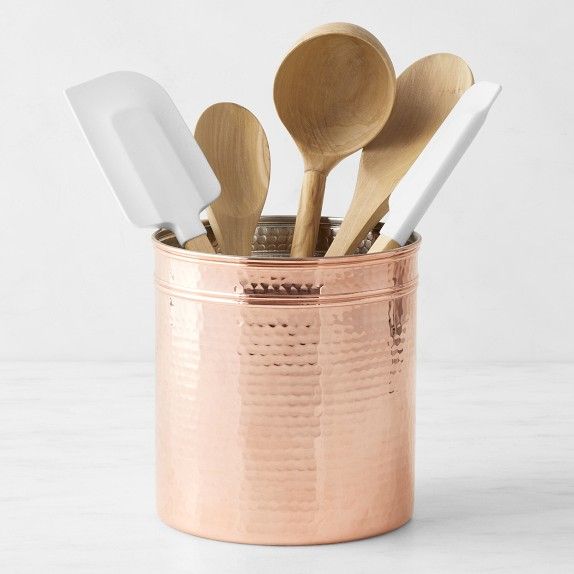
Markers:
(494, 487)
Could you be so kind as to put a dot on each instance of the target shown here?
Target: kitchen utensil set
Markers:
(336, 93)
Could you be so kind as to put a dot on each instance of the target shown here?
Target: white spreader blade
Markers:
(416, 191)
(146, 151)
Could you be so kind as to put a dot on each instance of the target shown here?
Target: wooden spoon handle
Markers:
(200, 243)
(308, 214)
(382, 244)
(354, 229)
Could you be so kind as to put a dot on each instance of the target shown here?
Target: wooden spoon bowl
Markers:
(236, 147)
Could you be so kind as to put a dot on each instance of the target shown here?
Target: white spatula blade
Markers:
(416, 191)
(146, 151)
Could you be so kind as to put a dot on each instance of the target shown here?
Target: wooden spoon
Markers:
(333, 92)
(426, 93)
(236, 147)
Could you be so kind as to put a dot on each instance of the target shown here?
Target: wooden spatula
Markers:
(426, 92)
(236, 147)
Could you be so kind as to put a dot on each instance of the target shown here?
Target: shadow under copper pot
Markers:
(285, 390)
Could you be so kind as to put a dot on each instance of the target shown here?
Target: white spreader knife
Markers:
(416, 191)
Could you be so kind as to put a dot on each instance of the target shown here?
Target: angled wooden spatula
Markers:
(426, 93)
(236, 147)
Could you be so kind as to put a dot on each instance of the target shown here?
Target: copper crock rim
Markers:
(291, 262)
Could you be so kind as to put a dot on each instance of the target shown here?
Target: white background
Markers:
(497, 259)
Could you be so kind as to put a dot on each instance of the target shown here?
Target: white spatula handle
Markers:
(416, 191)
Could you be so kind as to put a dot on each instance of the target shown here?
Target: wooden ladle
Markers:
(333, 92)
(236, 148)
(426, 93)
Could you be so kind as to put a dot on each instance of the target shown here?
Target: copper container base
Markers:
(285, 541)
(285, 390)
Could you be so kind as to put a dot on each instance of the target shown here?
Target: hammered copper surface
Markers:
(285, 391)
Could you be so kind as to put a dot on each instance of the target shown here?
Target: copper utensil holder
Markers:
(285, 390)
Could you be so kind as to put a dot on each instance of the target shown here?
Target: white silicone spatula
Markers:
(147, 153)
(416, 191)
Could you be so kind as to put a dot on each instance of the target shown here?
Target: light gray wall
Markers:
(497, 260)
